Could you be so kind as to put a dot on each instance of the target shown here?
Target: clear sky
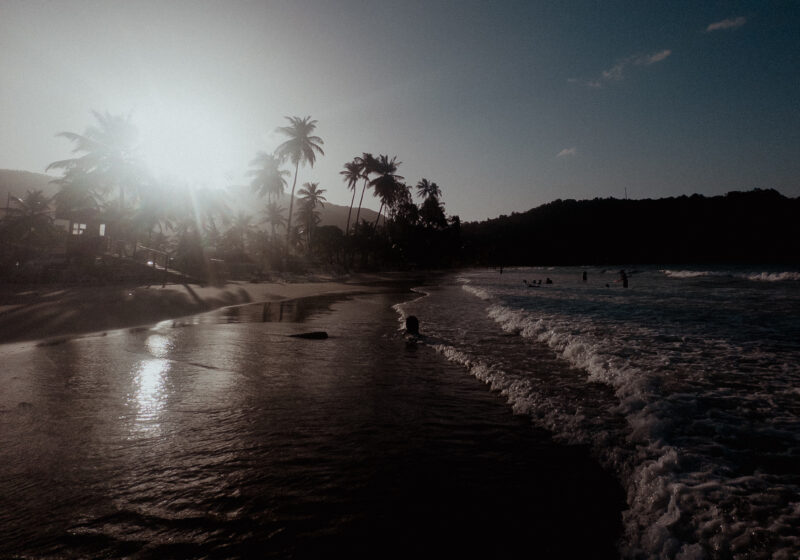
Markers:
(506, 105)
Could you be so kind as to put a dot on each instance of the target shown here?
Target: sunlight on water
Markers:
(150, 395)
(158, 345)
(149, 384)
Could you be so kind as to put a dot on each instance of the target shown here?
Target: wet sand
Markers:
(39, 312)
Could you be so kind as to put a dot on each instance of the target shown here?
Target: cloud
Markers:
(729, 23)
(566, 152)
(653, 58)
(617, 72)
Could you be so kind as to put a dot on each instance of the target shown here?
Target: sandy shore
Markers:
(33, 313)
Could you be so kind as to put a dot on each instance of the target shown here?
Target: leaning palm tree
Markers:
(427, 189)
(351, 175)
(273, 215)
(268, 177)
(385, 184)
(368, 167)
(299, 148)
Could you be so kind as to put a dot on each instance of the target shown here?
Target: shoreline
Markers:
(33, 313)
(347, 444)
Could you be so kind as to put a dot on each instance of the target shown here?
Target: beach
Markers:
(219, 435)
(34, 312)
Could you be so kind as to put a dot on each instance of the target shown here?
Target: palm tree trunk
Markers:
(363, 190)
(379, 216)
(352, 200)
(291, 205)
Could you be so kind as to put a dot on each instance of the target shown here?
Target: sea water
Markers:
(685, 385)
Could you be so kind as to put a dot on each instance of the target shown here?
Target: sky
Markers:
(505, 105)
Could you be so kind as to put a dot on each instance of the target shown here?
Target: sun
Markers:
(189, 142)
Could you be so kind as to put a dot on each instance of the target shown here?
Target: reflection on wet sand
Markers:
(291, 311)
(149, 385)
(150, 395)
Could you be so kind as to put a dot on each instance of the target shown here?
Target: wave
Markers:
(754, 276)
(679, 493)
(478, 292)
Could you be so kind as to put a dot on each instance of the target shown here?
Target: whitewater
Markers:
(685, 385)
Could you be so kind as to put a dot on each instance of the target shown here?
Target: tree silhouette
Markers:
(368, 164)
(241, 227)
(30, 219)
(78, 191)
(273, 215)
(385, 184)
(311, 195)
(299, 148)
(110, 154)
(351, 174)
(268, 177)
(428, 189)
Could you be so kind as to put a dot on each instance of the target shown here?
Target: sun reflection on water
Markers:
(150, 386)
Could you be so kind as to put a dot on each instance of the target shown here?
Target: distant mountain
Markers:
(243, 199)
(758, 226)
(18, 183)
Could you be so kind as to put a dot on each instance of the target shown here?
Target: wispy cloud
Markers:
(729, 23)
(566, 152)
(653, 58)
(617, 72)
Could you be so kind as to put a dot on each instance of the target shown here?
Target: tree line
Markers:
(107, 181)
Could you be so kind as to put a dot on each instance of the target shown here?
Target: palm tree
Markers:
(309, 217)
(368, 165)
(31, 218)
(78, 191)
(273, 215)
(241, 227)
(351, 174)
(312, 195)
(110, 152)
(385, 184)
(268, 178)
(299, 148)
(427, 189)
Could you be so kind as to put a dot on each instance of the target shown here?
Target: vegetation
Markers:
(106, 210)
(758, 226)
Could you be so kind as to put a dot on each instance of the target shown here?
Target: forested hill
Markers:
(758, 226)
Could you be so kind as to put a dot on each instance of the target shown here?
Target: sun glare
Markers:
(182, 142)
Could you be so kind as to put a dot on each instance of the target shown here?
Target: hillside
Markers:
(17, 183)
(754, 226)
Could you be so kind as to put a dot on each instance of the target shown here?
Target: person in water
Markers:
(412, 325)
(584, 276)
(623, 278)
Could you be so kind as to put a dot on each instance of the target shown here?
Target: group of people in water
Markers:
(623, 279)
(536, 283)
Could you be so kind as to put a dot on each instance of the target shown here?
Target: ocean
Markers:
(685, 386)
(565, 420)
